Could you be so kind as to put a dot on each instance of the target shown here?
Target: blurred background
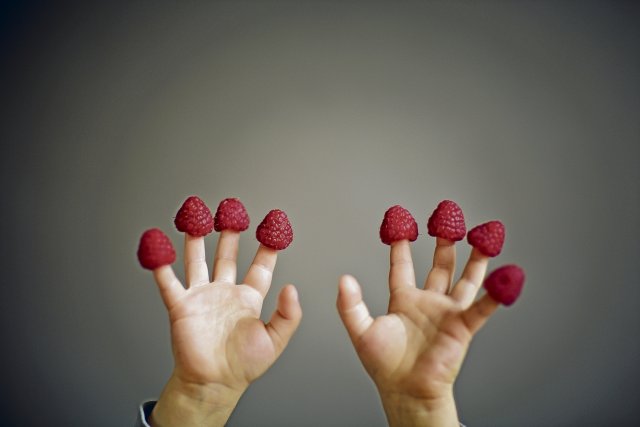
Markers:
(113, 113)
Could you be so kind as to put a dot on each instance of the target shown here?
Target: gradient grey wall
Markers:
(333, 111)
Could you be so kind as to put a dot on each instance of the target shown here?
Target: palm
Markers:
(217, 335)
(418, 346)
(216, 332)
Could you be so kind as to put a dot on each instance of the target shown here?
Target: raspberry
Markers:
(504, 284)
(447, 221)
(231, 215)
(194, 217)
(488, 238)
(398, 224)
(275, 230)
(155, 249)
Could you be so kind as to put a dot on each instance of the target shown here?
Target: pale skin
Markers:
(415, 351)
(219, 343)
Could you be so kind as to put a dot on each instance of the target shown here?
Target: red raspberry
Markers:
(398, 224)
(447, 222)
(488, 238)
(504, 284)
(231, 215)
(194, 217)
(275, 230)
(155, 249)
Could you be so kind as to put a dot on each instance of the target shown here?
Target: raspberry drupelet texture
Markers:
(231, 215)
(504, 284)
(155, 249)
(194, 217)
(488, 238)
(398, 224)
(447, 222)
(275, 230)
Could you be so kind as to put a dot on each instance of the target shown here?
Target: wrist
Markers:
(407, 411)
(188, 404)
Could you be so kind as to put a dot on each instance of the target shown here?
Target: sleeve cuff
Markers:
(144, 412)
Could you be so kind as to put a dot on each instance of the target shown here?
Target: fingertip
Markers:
(348, 284)
(349, 293)
(293, 292)
(289, 302)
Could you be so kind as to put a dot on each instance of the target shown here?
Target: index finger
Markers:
(261, 270)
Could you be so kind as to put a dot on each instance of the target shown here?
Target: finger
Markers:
(261, 270)
(225, 260)
(440, 277)
(171, 290)
(285, 319)
(195, 262)
(401, 272)
(468, 286)
(476, 316)
(352, 309)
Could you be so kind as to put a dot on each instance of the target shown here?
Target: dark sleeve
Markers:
(144, 412)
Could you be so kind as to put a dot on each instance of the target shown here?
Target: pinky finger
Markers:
(479, 312)
(171, 290)
(352, 309)
(285, 319)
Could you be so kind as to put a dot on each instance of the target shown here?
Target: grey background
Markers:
(333, 111)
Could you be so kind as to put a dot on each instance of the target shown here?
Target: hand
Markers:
(219, 343)
(415, 351)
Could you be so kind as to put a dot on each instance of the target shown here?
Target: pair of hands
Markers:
(220, 345)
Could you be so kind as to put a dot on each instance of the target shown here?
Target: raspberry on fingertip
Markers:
(447, 222)
(275, 230)
(505, 284)
(155, 249)
(231, 215)
(398, 224)
(488, 238)
(194, 217)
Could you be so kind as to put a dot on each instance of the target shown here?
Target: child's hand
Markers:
(414, 353)
(219, 343)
